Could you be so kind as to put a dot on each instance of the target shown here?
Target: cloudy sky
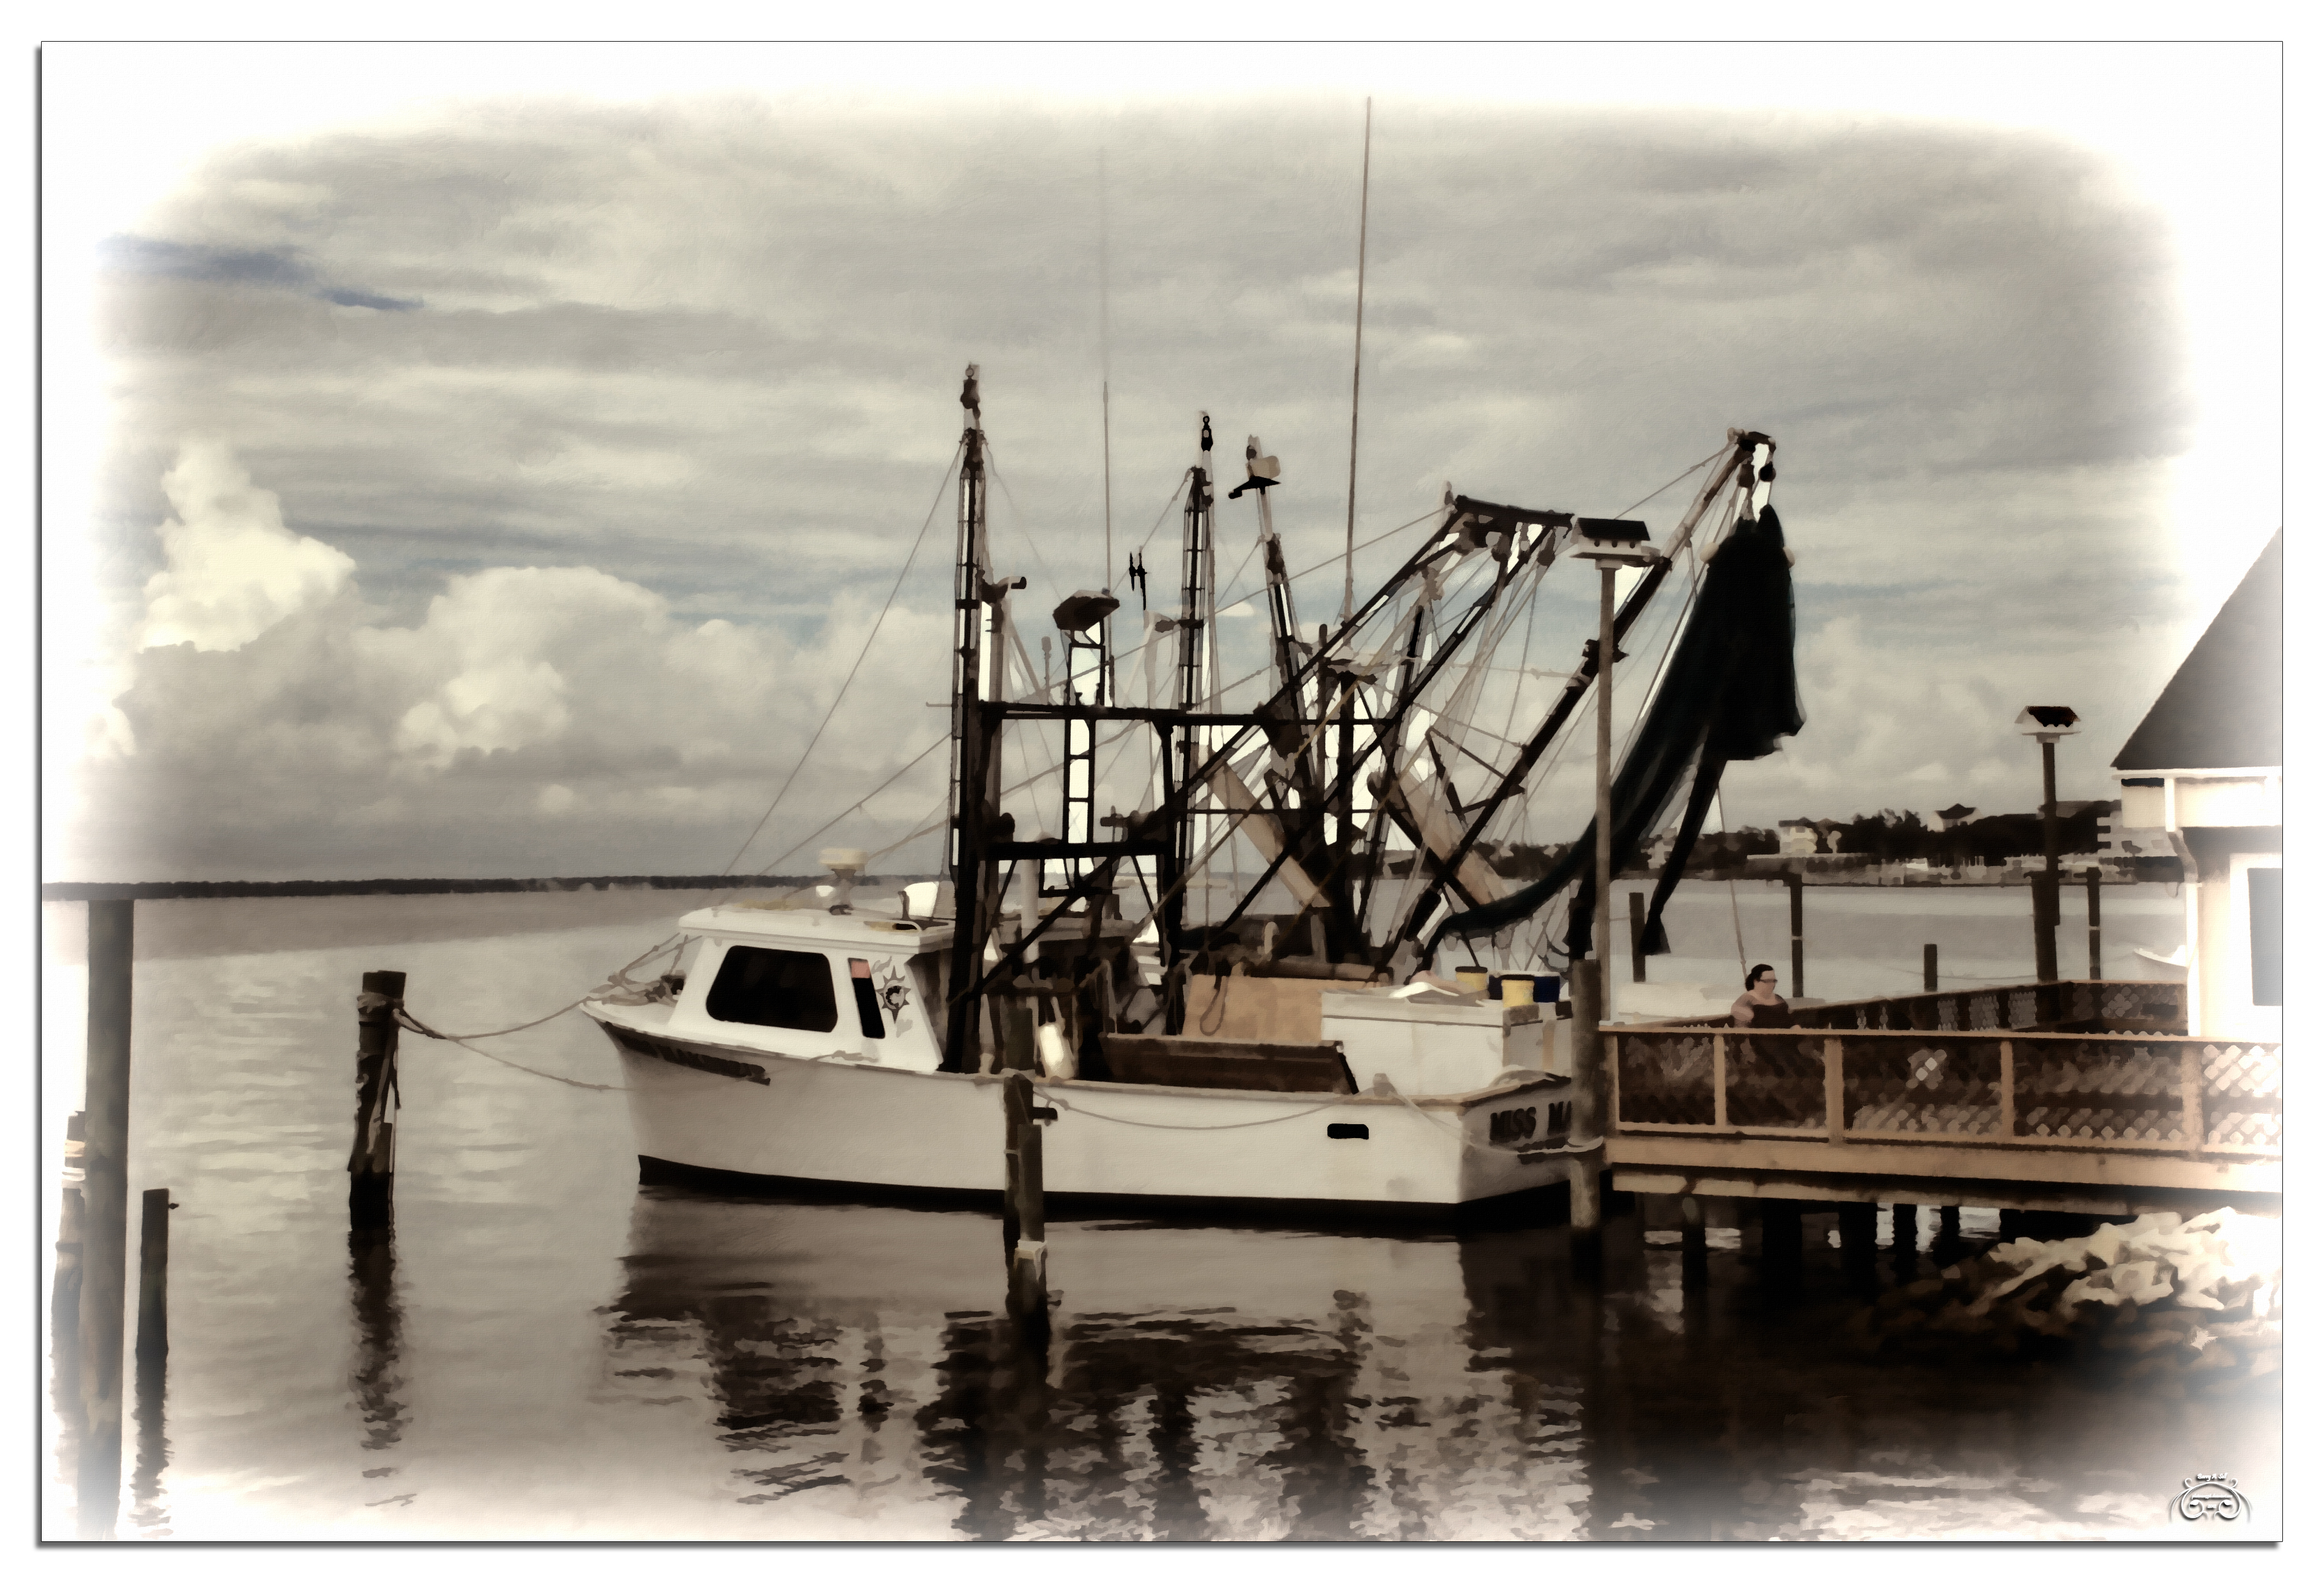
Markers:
(475, 461)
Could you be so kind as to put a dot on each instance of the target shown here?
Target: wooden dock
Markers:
(2081, 1095)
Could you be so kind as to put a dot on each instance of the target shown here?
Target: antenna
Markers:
(1105, 368)
(1355, 390)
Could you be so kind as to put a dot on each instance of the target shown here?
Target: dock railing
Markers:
(2082, 1006)
(2017, 1067)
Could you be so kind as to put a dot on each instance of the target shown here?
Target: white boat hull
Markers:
(708, 1106)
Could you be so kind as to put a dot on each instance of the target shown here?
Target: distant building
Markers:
(1797, 837)
(1952, 818)
(2206, 768)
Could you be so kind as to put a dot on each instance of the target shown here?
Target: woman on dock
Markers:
(1759, 1007)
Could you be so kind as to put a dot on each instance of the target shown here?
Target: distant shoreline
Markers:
(219, 889)
(1862, 878)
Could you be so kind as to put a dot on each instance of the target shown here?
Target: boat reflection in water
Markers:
(1225, 1383)
(1201, 1382)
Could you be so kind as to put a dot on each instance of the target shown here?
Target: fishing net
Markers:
(1730, 692)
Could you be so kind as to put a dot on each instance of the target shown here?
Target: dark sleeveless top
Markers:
(1775, 1015)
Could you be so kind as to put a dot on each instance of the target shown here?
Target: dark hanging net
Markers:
(1730, 692)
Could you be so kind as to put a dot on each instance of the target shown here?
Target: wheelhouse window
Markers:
(867, 999)
(775, 989)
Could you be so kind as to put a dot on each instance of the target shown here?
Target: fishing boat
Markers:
(1288, 1042)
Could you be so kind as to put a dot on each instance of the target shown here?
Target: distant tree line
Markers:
(1891, 837)
(1885, 837)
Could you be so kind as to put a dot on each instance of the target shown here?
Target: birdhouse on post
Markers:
(2047, 722)
(1612, 542)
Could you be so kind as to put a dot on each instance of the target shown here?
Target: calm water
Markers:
(545, 1350)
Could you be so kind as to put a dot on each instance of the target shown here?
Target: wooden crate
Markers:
(1182, 1062)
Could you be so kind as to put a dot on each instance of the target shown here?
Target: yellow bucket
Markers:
(1472, 979)
(1517, 989)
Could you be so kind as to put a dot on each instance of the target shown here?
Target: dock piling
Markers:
(154, 1277)
(1860, 1232)
(1693, 1243)
(105, 1190)
(2092, 879)
(1796, 886)
(1024, 1217)
(1584, 1195)
(1638, 936)
(1929, 969)
(370, 1163)
(64, 1319)
(1779, 1246)
(1904, 1239)
(152, 1351)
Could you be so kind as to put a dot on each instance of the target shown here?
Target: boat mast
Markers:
(1194, 630)
(973, 805)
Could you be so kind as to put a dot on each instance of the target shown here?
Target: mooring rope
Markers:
(405, 1019)
(1063, 1104)
(617, 979)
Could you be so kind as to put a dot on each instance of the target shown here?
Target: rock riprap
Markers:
(2196, 1300)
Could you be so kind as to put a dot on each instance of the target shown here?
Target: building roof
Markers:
(2224, 709)
(1958, 811)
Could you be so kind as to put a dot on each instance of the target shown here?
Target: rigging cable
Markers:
(1017, 521)
(1356, 384)
(868, 639)
(1734, 907)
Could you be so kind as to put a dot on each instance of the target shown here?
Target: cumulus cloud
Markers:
(675, 388)
(233, 569)
(532, 719)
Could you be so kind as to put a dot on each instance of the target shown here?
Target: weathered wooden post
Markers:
(1694, 1244)
(64, 1310)
(72, 1222)
(154, 1277)
(1638, 936)
(1929, 968)
(1796, 885)
(1946, 1244)
(1612, 545)
(2046, 909)
(370, 1163)
(1779, 1246)
(105, 1190)
(152, 1349)
(1904, 1238)
(2091, 877)
(1859, 1236)
(1024, 1220)
(1584, 1208)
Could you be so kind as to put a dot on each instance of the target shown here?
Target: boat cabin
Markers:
(862, 987)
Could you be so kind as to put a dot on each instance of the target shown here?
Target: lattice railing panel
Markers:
(1666, 1079)
(1943, 1086)
(2160, 1002)
(1774, 1081)
(2099, 1091)
(2137, 1006)
(2243, 1096)
(2065, 1090)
